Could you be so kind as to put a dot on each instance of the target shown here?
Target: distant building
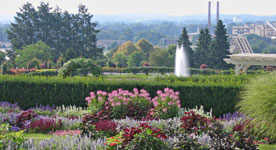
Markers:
(237, 20)
(265, 30)
(168, 41)
(108, 43)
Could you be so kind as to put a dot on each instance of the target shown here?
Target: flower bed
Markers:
(125, 119)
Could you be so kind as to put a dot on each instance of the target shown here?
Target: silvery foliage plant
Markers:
(62, 143)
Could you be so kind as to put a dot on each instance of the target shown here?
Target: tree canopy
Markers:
(202, 54)
(127, 48)
(40, 51)
(135, 59)
(59, 30)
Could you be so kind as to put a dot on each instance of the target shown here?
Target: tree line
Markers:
(68, 35)
(209, 50)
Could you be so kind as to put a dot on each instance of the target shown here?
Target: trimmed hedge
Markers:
(163, 70)
(28, 91)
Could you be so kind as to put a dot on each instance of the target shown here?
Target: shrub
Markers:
(258, 102)
(79, 66)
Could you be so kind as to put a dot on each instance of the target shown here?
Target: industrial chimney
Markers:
(217, 11)
(209, 17)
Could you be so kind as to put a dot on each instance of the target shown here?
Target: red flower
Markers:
(266, 139)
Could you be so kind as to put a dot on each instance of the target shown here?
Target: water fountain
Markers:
(181, 62)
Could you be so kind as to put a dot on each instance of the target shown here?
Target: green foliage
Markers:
(159, 57)
(2, 57)
(258, 101)
(65, 33)
(6, 66)
(219, 47)
(120, 60)
(43, 73)
(261, 44)
(40, 51)
(135, 59)
(146, 141)
(79, 66)
(7, 137)
(127, 48)
(202, 52)
(145, 47)
(221, 97)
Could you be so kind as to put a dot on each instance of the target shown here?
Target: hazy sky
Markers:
(169, 7)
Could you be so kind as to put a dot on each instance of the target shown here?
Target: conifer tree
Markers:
(184, 40)
(202, 54)
(220, 47)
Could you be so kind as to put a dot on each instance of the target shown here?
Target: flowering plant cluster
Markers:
(136, 104)
(44, 125)
(128, 135)
(166, 104)
(194, 123)
(122, 103)
(19, 71)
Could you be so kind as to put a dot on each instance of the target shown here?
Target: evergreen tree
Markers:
(202, 54)
(184, 40)
(220, 47)
(22, 32)
(63, 32)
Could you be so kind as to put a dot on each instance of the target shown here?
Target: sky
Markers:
(143, 7)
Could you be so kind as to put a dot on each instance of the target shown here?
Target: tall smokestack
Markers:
(217, 11)
(209, 17)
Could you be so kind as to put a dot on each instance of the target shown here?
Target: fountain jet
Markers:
(181, 62)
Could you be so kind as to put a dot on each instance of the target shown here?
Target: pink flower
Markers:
(100, 98)
(159, 92)
(88, 101)
(112, 144)
(176, 93)
(178, 101)
(266, 139)
(163, 98)
(155, 103)
(166, 89)
(178, 105)
(171, 103)
(164, 109)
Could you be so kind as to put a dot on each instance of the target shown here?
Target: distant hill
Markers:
(188, 19)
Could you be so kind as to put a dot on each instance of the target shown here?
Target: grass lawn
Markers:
(37, 136)
(267, 147)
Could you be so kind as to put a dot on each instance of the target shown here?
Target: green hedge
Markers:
(28, 91)
(163, 70)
